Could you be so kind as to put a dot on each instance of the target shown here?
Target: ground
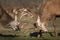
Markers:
(8, 34)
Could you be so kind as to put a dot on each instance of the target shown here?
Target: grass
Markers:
(24, 35)
(29, 38)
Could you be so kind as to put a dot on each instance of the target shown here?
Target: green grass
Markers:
(24, 35)
(29, 38)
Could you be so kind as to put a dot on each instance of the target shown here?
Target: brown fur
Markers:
(50, 10)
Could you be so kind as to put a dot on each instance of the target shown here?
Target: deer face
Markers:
(14, 25)
(42, 25)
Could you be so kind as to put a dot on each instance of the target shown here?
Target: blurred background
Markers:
(26, 21)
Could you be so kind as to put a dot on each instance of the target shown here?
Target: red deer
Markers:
(48, 11)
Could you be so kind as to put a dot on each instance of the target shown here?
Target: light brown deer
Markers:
(48, 11)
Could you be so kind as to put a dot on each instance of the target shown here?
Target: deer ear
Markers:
(14, 10)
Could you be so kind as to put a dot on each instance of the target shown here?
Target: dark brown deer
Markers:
(7, 16)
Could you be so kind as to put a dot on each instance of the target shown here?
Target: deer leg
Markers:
(54, 21)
